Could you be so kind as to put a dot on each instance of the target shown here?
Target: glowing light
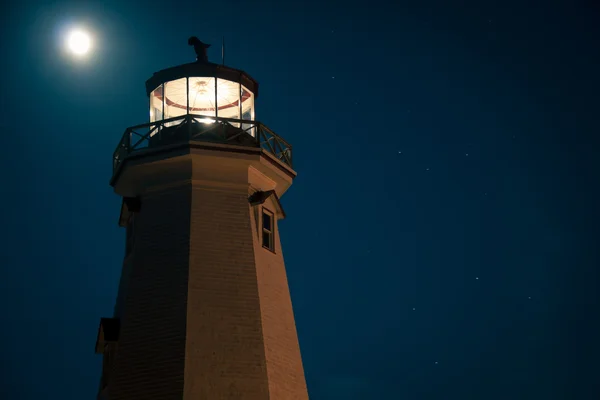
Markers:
(201, 96)
(201, 92)
(79, 42)
(206, 120)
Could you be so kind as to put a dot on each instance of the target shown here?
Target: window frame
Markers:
(270, 232)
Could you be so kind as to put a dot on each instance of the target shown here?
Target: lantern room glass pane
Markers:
(202, 98)
(156, 104)
(247, 98)
(175, 100)
(228, 100)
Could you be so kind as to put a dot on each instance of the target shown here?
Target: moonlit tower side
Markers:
(203, 309)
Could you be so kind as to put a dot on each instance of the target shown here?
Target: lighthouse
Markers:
(203, 308)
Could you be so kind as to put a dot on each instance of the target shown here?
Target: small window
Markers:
(267, 231)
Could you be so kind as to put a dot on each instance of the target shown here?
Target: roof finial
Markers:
(199, 48)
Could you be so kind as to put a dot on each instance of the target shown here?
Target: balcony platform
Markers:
(199, 128)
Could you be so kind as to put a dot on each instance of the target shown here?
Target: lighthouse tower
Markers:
(203, 309)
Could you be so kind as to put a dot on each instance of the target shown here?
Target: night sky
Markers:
(441, 238)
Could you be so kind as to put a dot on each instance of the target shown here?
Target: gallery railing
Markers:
(192, 127)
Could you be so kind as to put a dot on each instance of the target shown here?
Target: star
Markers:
(436, 362)
(414, 309)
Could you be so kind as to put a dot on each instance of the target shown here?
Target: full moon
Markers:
(79, 42)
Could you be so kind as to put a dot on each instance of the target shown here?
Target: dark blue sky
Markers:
(441, 239)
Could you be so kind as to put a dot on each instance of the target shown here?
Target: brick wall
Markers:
(225, 358)
(151, 354)
(282, 351)
(123, 284)
(206, 313)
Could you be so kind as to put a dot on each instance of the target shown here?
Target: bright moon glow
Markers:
(79, 42)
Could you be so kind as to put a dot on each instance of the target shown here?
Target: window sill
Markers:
(267, 248)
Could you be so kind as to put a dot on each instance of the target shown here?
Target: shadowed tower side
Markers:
(203, 309)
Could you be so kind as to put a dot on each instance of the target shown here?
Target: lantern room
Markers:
(205, 91)
(200, 102)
